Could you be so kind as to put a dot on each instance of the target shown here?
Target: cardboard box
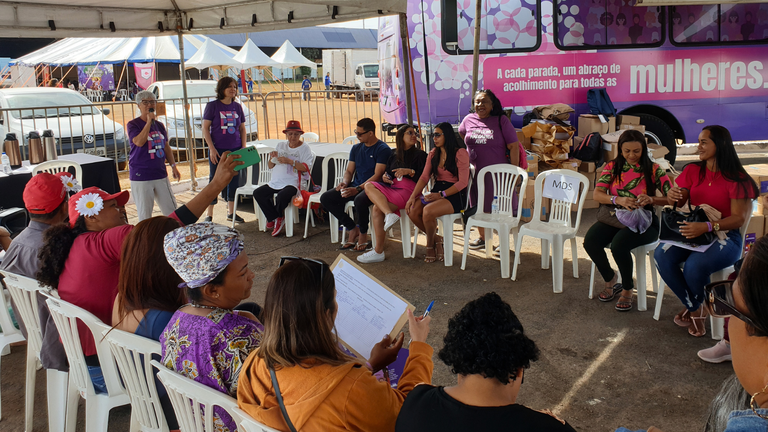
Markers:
(759, 174)
(757, 207)
(624, 127)
(587, 167)
(755, 230)
(571, 164)
(591, 123)
(610, 151)
(589, 202)
(657, 151)
(628, 119)
(533, 166)
(529, 201)
(524, 140)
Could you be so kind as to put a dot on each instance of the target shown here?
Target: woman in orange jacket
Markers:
(323, 388)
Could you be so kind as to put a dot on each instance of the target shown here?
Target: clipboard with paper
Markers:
(367, 309)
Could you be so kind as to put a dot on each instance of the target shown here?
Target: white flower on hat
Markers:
(71, 183)
(89, 204)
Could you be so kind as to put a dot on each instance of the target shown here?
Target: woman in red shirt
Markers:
(720, 181)
(448, 163)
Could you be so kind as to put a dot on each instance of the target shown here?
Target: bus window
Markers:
(589, 24)
(743, 22)
(503, 28)
(730, 24)
(694, 24)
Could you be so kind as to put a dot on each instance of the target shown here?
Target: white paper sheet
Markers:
(367, 310)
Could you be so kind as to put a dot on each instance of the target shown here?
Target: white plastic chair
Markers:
(310, 137)
(339, 161)
(122, 94)
(9, 334)
(505, 179)
(57, 166)
(97, 406)
(717, 325)
(291, 213)
(249, 424)
(265, 175)
(24, 291)
(639, 254)
(133, 354)
(351, 140)
(557, 230)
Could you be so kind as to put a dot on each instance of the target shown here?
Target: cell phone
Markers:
(249, 155)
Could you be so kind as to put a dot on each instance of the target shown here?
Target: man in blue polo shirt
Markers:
(367, 163)
(306, 85)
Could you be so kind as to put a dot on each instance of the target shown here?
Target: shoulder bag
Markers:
(280, 401)
(606, 214)
(672, 219)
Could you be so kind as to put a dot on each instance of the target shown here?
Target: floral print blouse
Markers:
(632, 181)
(211, 350)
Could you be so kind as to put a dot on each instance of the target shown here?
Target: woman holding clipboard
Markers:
(301, 379)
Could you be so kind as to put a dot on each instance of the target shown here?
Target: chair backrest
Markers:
(506, 178)
(310, 137)
(265, 174)
(249, 424)
(57, 166)
(65, 315)
(24, 294)
(560, 211)
(351, 140)
(133, 354)
(339, 162)
(743, 229)
(8, 332)
(193, 402)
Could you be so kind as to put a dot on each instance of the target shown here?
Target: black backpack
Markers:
(599, 102)
(590, 150)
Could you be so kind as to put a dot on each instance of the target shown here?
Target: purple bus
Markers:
(678, 68)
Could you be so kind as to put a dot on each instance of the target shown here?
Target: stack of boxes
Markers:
(606, 127)
(757, 225)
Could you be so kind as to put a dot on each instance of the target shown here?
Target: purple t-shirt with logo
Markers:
(225, 124)
(148, 161)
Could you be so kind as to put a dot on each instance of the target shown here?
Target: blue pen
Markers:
(429, 308)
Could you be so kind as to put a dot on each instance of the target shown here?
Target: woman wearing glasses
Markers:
(146, 162)
(720, 181)
(208, 339)
(301, 378)
(448, 165)
(390, 194)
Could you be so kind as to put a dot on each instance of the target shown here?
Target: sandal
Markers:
(427, 258)
(609, 294)
(683, 318)
(625, 303)
(440, 252)
(363, 247)
(347, 246)
(698, 327)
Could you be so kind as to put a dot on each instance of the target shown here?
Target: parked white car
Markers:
(199, 92)
(79, 126)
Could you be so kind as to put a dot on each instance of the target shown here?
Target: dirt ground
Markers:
(599, 369)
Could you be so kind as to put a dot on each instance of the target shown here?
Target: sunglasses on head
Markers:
(718, 297)
(284, 259)
(361, 133)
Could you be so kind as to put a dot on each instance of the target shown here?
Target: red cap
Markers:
(121, 197)
(293, 125)
(44, 193)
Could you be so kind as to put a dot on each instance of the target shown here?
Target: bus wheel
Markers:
(658, 132)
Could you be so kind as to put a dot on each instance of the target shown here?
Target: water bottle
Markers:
(6, 163)
(495, 205)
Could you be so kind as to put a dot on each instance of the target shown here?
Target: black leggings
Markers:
(274, 209)
(334, 203)
(622, 241)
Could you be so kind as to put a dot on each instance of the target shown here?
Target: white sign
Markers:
(561, 188)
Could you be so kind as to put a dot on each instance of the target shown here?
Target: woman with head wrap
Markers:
(208, 339)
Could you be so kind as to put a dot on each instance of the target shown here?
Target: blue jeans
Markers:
(688, 283)
(228, 194)
(97, 377)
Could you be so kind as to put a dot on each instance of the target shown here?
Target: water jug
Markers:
(36, 152)
(49, 145)
(11, 149)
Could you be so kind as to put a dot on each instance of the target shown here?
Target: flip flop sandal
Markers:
(624, 304)
(680, 318)
(363, 247)
(347, 246)
(617, 288)
(693, 330)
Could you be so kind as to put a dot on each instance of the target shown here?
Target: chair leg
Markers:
(592, 282)
(659, 298)
(448, 244)
(234, 211)
(405, 234)
(718, 327)
(488, 242)
(289, 220)
(96, 416)
(640, 268)
(73, 398)
(334, 228)
(504, 253)
(557, 264)
(467, 231)
(415, 242)
(306, 221)
(518, 246)
(654, 272)
(544, 254)
(29, 394)
(57, 399)
(575, 258)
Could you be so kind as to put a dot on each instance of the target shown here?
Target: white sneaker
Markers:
(716, 354)
(371, 257)
(390, 221)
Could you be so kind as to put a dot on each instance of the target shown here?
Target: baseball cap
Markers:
(44, 193)
(92, 200)
(293, 125)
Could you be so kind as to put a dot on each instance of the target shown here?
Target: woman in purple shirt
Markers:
(223, 129)
(489, 134)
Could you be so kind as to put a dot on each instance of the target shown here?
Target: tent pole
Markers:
(476, 48)
(407, 79)
(190, 141)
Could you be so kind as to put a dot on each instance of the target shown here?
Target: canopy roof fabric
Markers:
(211, 56)
(310, 37)
(85, 51)
(107, 18)
(250, 56)
(289, 57)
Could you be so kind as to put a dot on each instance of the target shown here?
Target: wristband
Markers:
(173, 165)
(613, 200)
(443, 194)
(709, 227)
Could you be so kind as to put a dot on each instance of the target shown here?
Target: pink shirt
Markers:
(719, 195)
(462, 162)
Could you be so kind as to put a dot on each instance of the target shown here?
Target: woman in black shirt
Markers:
(487, 348)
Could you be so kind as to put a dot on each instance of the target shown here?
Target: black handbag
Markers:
(672, 219)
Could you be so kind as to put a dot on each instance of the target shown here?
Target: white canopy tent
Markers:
(250, 56)
(290, 58)
(211, 56)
